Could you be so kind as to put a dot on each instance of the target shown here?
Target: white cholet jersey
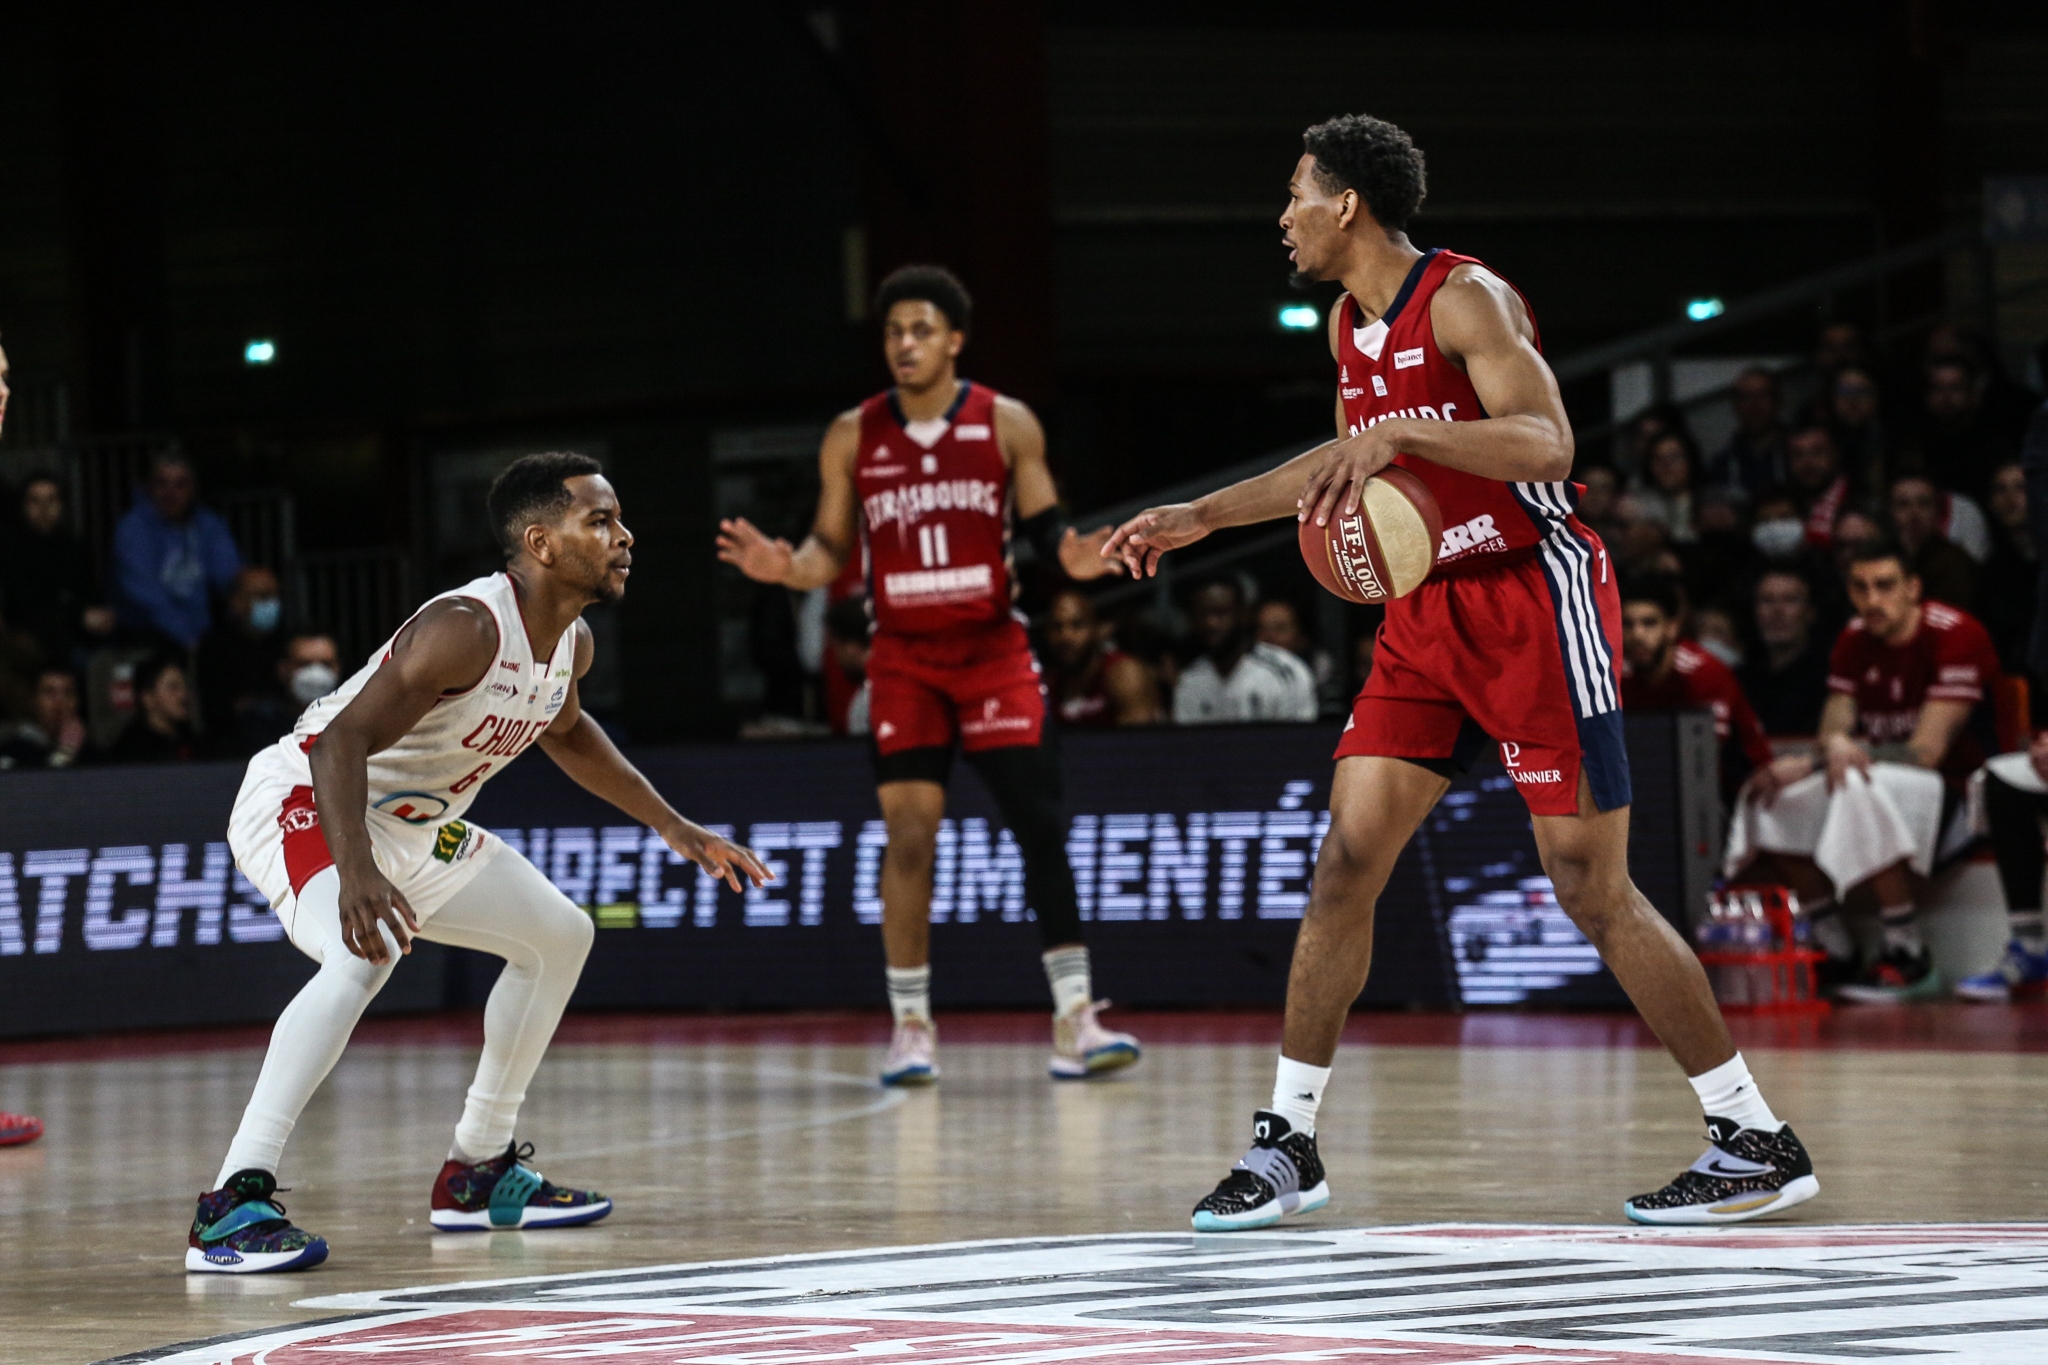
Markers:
(432, 774)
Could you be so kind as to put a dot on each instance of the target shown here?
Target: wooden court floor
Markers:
(735, 1137)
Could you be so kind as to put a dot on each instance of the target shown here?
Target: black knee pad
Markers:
(1025, 781)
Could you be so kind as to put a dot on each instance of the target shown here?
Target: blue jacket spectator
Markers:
(171, 555)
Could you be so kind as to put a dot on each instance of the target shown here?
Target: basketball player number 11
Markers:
(931, 545)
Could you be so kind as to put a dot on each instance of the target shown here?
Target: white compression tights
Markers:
(510, 910)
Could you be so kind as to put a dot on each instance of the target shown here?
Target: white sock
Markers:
(1298, 1093)
(910, 992)
(2027, 927)
(455, 1153)
(1729, 1092)
(1066, 971)
(1901, 930)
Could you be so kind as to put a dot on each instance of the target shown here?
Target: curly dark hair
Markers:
(1375, 158)
(932, 284)
(533, 488)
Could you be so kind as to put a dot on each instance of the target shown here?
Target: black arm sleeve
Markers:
(1044, 532)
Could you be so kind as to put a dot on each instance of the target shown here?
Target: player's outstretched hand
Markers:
(1140, 541)
(744, 546)
(717, 855)
(1082, 555)
(1338, 481)
(367, 900)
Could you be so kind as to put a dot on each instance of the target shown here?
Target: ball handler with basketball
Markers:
(1514, 637)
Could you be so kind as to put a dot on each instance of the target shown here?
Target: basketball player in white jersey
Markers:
(351, 826)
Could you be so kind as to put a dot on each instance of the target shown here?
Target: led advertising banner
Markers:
(1192, 850)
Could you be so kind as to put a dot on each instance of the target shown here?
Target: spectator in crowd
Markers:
(1362, 651)
(1642, 431)
(1855, 529)
(171, 555)
(1094, 685)
(1236, 678)
(1661, 672)
(310, 669)
(55, 736)
(847, 632)
(1959, 443)
(2015, 800)
(1859, 432)
(2006, 405)
(46, 575)
(2012, 575)
(1600, 503)
(1779, 531)
(1278, 622)
(1908, 685)
(21, 659)
(1754, 457)
(1945, 572)
(1666, 488)
(161, 729)
(1786, 679)
(1839, 346)
(1814, 478)
(1715, 631)
(241, 696)
(1724, 554)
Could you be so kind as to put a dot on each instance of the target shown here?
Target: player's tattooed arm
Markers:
(823, 554)
(581, 748)
(1022, 441)
(1483, 327)
(447, 648)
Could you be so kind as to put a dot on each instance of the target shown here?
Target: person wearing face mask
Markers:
(309, 670)
(243, 704)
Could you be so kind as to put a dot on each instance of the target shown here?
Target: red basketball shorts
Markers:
(1526, 656)
(979, 686)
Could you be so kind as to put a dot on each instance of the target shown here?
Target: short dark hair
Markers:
(1375, 158)
(152, 669)
(1870, 551)
(1784, 568)
(533, 488)
(932, 284)
(1659, 590)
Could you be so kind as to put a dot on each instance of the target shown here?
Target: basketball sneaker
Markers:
(16, 1129)
(1082, 1047)
(1896, 978)
(1745, 1173)
(1281, 1174)
(505, 1192)
(240, 1229)
(2021, 975)
(913, 1050)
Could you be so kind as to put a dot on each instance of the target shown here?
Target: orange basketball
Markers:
(1384, 549)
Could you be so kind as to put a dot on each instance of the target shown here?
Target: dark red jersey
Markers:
(1090, 708)
(1950, 658)
(1699, 681)
(1391, 367)
(935, 515)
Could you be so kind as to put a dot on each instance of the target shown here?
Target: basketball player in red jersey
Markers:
(926, 478)
(1513, 638)
(1661, 672)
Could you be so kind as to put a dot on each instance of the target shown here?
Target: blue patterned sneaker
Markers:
(240, 1229)
(504, 1192)
(1281, 1174)
(2021, 975)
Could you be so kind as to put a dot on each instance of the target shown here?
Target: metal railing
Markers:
(357, 596)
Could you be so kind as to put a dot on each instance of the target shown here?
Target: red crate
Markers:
(1772, 978)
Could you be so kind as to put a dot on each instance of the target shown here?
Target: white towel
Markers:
(1853, 833)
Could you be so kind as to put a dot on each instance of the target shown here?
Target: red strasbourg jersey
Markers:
(1391, 367)
(1700, 682)
(935, 515)
(1950, 658)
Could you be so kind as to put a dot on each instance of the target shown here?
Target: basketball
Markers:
(1384, 549)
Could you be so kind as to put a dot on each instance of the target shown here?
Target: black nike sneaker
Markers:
(1744, 1174)
(1281, 1174)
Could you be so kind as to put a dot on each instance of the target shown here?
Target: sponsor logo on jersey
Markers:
(415, 808)
(1409, 359)
(910, 504)
(993, 720)
(503, 736)
(1351, 393)
(971, 431)
(455, 841)
(1379, 387)
(1424, 410)
(503, 663)
(929, 464)
(560, 693)
(298, 819)
(1476, 534)
(504, 689)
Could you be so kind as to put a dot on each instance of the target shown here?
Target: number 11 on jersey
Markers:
(931, 544)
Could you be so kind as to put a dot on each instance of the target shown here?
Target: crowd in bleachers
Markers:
(173, 649)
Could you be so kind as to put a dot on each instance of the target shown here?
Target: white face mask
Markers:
(1722, 650)
(311, 682)
(1779, 538)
